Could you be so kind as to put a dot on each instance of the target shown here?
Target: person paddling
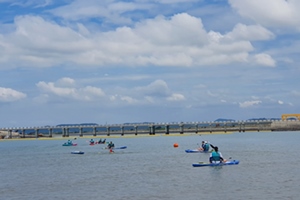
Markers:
(110, 146)
(216, 156)
(92, 141)
(204, 146)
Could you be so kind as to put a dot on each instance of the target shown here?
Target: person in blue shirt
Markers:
(110, 146)
(216, 156)
(92, 141)
(204, 146)
(70, 142)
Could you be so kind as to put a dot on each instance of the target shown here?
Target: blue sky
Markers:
(116, 61)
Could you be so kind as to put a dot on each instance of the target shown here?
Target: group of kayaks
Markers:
(205, 164)
(199, 164)
(70, 143)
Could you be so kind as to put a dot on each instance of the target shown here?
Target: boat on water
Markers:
(69, 144)
(77, 152)
(203, 164)
(120, 147)
(196, 151)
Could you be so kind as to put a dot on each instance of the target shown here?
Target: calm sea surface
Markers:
(151, 168)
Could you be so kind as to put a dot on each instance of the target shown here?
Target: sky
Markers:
(160, 61)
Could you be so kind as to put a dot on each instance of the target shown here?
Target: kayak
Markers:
(203, 164)
(196, 151)
(66, 144)
(120, 147)
(77, 152)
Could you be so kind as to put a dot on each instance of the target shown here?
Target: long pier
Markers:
(152, 128)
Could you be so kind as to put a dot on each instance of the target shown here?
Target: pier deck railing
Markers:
(152, 128)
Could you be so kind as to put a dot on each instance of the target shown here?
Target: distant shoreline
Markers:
(113, 136)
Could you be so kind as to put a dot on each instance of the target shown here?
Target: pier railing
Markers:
(151, 128)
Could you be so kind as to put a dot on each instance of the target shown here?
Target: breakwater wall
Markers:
(150, 129)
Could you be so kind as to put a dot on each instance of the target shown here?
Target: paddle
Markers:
(225, 160)
(212, 146)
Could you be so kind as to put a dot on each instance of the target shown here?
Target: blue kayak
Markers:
(121, 147)
(196, 151)
(77, 152)
(229, 162)
(69, 144)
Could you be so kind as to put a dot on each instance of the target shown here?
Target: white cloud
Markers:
(280, 102)
(87, 93)
(157, 88)
(108, 11)
(175, 1)
(249, 103)
(10, 95)
(265, 60)
(129, 100)
(176, 97)
(29, 3)
(250, 33)
(179, 41)
(270, 13)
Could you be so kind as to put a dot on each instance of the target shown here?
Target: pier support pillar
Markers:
(122, 130)
(167, 129)
(108, 131)
(23, 133)
(152, 130)
(50, 132)
(10, 134)
(136, 130)
(36, 133)
(181, 128)
(94, 131)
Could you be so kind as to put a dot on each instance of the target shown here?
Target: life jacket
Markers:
(206, 147)
(215, 156)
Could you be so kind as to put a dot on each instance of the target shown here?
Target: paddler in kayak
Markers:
(92, 141)
(70, 142)
(110, 146)
(216, 156)
(204, 146)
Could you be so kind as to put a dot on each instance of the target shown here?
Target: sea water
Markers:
(151, 168)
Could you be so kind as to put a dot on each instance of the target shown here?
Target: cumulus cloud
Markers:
(179, 41)
(158, 89)
(249, 103)
(129, 100)
(176, 97)
(250, 33)
(59, 88)
(10, 95)
(270, 13)
(280, 102)
(265, 60)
